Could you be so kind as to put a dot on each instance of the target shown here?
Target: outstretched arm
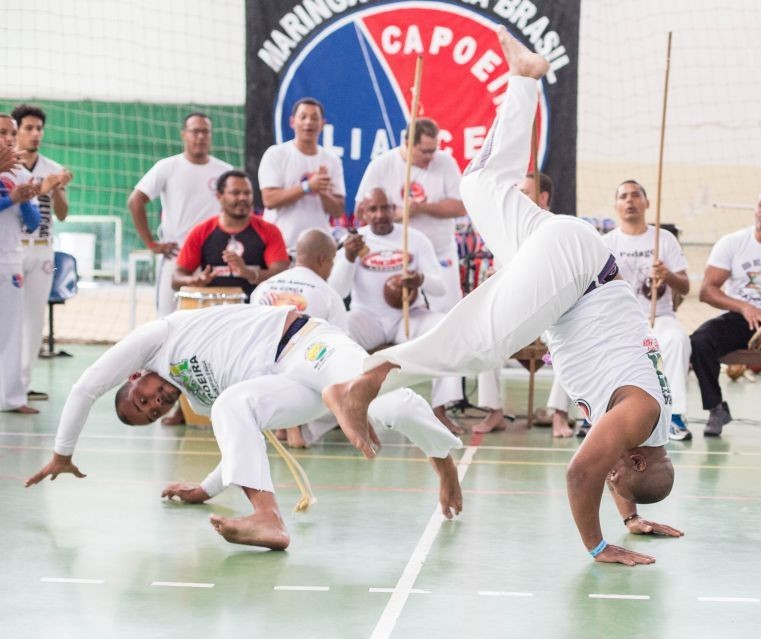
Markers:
(131, 354)
(625, 426)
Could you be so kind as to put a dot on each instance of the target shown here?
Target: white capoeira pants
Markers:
(12, 391)
(317, 356)
(489, 395)
(38, 276)
(371, 331)
(549, 263)
(535, 286)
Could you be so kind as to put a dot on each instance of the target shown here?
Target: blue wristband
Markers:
(598, 548)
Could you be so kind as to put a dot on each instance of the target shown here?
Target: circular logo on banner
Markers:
(367, 96)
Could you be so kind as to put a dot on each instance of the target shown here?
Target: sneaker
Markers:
(37, 396)
(678, 430)
(718, 417)
(583, 429)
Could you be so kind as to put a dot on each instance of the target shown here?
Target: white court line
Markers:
(731, 599)
(68, 580)
(306, 588)
(499, 593)
(413, 591)
(604, 596)
(181, 584)
(398, 599)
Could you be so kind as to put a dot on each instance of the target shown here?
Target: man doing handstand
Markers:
(557, 276)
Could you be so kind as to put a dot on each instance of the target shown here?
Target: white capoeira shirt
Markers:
(364, 278)
(187, 190)
(284, 166)
(634, 256)
(439, 181)
(41, 169)
(627, 346)
(308, 292)
(201, 352)
(740, 254)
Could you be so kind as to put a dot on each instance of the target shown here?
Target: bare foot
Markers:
(519, 58)
(295, 439)
(450, 493)
(441, 414)
(494, 421)
(25, 410)
(543, 417)
(175, 418)
(560, 427)
(349, 402)
(260, 529)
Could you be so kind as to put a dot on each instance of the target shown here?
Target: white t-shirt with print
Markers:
(188, 193)
(41, 169)
(284, 166)
(202, 352)
(634, 256)
(308, 292)
(365, 277)
(740, 254)
(440, 181)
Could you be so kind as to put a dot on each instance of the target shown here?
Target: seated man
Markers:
(305, 286)
(598, 335)
(735, 264)
(234, 248)
(633, 245)
(372, 320)
(252, 368)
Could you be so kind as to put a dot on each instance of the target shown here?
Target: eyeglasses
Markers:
(383, 208)
(199, 131)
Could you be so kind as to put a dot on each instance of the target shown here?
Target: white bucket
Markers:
(82, 247)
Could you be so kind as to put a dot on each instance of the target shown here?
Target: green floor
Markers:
(511, 566)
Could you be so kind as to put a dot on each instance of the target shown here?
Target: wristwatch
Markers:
(305, 186)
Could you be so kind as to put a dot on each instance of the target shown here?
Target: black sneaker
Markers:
(36, 396)
(583, 429)
(718, 417)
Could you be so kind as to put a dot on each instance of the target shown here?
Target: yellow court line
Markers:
(357, 457)
(527, 449)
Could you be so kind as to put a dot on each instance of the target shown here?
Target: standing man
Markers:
(435, 199)
(633, 245)
(233, 248)
(735, 264)
(186, 184)
(302, 184)
(373, 320)
(17, 214)
(37, 246)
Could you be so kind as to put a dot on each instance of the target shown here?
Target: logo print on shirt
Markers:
(385, 260)
(318, 353)
(655, 357)
(279, 298)
(417, 192)
(196, 378)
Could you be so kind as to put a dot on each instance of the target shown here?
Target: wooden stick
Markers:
(535, 155)
(656, 251)
(407, 180)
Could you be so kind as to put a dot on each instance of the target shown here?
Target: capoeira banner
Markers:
(358, 58)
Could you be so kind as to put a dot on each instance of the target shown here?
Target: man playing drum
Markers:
(252, 368)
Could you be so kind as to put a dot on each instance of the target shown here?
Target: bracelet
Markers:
(598, 548)
(152, 244)
(630, 518)
(305, 187)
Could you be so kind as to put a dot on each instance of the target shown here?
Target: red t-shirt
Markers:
(261, 242)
